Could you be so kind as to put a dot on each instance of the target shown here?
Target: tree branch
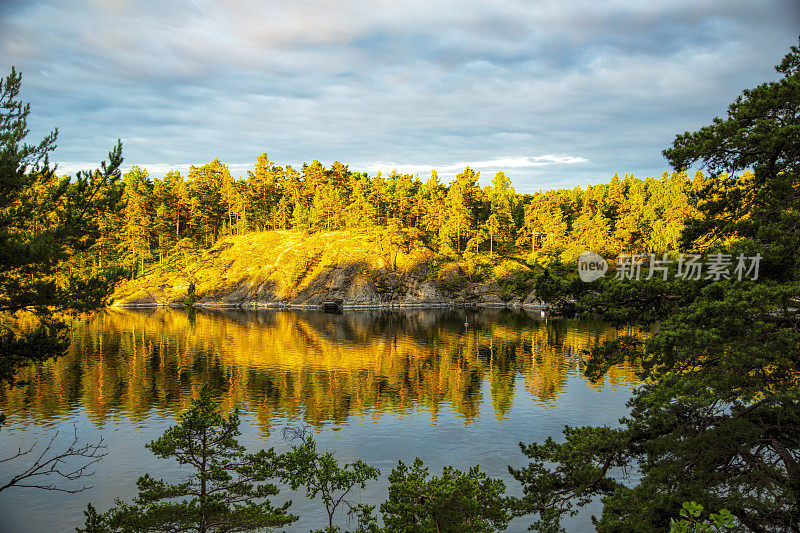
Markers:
(45, 466)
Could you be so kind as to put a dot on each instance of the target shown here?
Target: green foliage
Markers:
(718, 416)
(758, 209)
(191, 299)
(517, 284)
(226, 489)
(323, 477)
(95, 522)
(691, 522)
(456, 501)
(627, 215)
(23, 346)
(453, 281)
(551, 288)
(45, 222)
(386, 282)
(581, 473)
(717, 419)
(460, 219)
(626, 302)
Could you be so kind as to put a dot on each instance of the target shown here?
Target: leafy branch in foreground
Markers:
(717, 421)
(56, 465)
(44, 222)
(690, 521)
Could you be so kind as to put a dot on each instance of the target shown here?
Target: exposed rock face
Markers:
(424, 292)
(531, 301)
(282, 269)
(491, 300)
(359, 292)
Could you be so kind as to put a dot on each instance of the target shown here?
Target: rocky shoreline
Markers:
(284, 270)
(344, 307)
(483, 295)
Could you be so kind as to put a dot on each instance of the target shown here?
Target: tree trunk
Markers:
(204, 450)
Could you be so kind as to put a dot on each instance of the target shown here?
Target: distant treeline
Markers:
(164, 216)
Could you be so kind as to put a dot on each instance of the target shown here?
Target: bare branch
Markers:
(55, 464)
(294, 433)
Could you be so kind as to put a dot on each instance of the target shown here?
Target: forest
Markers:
(173, 215)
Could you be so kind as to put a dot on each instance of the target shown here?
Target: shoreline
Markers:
(279, 306)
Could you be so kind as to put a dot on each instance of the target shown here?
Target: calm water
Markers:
(381, 386)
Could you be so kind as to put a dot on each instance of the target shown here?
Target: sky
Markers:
(554, 93)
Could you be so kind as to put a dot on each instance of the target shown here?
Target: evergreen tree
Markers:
(502, 199)
(207, 210)
(454, 502)
(629, 233)
(43, 222)
(433, 204)
(360, 212)
(379, 196)
(226, 491)
(139, 215)
(402, 190)
(263, 188)
(758, 208)
(461, 202)
(716, 420)
(323, 477)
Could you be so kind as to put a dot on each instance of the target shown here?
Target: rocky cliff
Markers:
(295, 270)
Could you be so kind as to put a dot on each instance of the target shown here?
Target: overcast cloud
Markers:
(553, 93)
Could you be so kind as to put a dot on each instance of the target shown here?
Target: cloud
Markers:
(154, 170)
(366, 82)
(503, 163)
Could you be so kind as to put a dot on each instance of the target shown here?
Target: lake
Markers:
(376, 385)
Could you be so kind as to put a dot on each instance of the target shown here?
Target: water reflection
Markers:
(321, 368)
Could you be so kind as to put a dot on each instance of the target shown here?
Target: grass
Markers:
(289, 262)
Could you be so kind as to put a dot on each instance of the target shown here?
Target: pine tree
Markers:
(716, 419)
(226, 490)
(379, 196)
(207, 207)
(456, 501)
(139, 215)
(43, 222)
(323, 477)
(433, 204)
(461, 201)
(360, 212)
(501, 197)
(263, 189)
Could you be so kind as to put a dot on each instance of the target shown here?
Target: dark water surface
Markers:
(375, 385)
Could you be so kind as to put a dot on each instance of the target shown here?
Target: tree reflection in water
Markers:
(319, 367)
